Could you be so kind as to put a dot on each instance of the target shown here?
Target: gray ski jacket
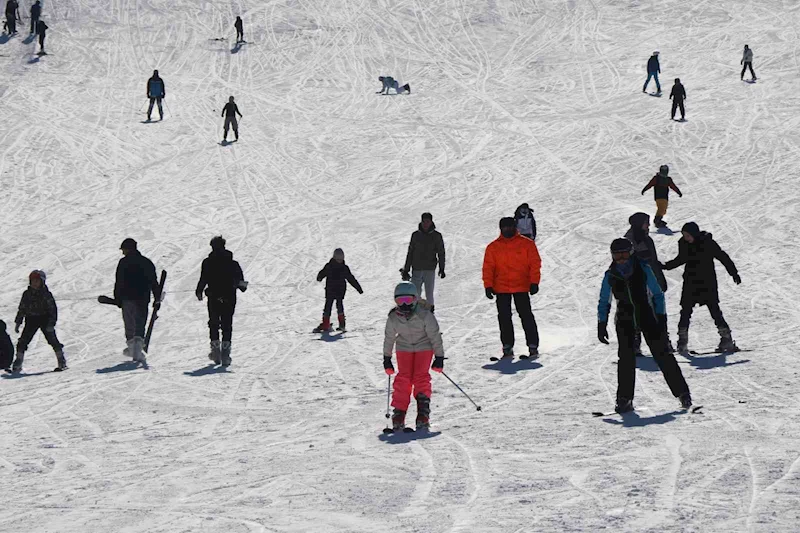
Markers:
(416, 333)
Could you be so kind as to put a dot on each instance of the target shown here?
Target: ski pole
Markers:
(477, 407)
(388, 390)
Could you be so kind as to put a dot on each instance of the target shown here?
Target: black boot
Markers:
(624, 405)
(423, 411)
(398, 420)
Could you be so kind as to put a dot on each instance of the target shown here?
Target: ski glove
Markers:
(602, 332)
(442, 274)
(404, 274)
(16, 328)
(199, 295)
(534, 288)
(490, 293)
(243, 286)
(438, 364)
(736, 279)
(156, 306)
(388, 367)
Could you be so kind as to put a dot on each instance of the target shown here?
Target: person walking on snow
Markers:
(12, 8)
(747, 62)
(678, 95)
(512, 271)
(338, 275)
(6, 348)
(413, 329)
(653, 70)
(698, 250)
(156, 91)
(526, 223)
(229, 112)
(239, 25)
(640, 307)
(425, 251)
(135, 280)
(661, 183)
(36, 12)
(41, 29)
(38, 310)
(220, 276)
(391, 83)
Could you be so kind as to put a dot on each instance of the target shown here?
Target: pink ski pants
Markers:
(413, 371)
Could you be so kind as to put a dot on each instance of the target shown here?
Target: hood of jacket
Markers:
(433, 227)
(224, 255)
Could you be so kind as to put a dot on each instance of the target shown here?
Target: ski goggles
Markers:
(405, 300)
(620, 256)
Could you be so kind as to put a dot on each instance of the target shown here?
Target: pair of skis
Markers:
(153, 317)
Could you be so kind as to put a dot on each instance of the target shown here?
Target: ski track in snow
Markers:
(512, 101)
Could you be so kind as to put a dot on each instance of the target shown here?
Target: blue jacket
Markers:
(639, 297)
(156, 88)
(652, 65)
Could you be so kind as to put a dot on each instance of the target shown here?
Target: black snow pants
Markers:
(230, 122)
(522, 301)
(748, 64)
(220, 317)
(155, 100)
(678, 104)
(626, 369)
(41, 42)
(713, 308)
(329, 299)
(34, 324)
(34, 22)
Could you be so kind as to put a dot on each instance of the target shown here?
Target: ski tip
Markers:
(598, 413)
(696, 408)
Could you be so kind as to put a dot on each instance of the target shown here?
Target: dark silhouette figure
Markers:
(239, 30)
(36, 12)
(229, 112)
(156, 91)
(678, 95)
(747, 62)
(41, 29)
(653, 70)
(11, 16)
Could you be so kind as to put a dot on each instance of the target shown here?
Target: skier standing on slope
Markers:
(661, 184)
(512, 271)
(220, 276)
(11, 16)
(698, 250)
(526, 223)
(135, 280)
(640, 307)
(653, 70)
(415, 332)
(338, 275)
(6, 348)
(156, 91)
(747, 62)
(41, 29)
(36, 12)
(229, 112)
(425, 251)
(38, 309)
(239, 25)
(391, 83)
(678, 95)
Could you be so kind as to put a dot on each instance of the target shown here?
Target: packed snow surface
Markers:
(512, 101)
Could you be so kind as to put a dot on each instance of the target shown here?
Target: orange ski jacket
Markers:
(511, 265)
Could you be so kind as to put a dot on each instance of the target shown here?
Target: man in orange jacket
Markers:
(512, 270)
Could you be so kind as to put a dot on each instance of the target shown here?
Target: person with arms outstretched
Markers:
(661, 183)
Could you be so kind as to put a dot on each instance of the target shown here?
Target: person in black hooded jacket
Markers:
(6, 348)
(135, 281)
(220, 276)
(425, 251)
(338, 275)
(698, 250)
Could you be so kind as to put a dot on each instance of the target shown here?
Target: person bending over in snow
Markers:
(678, 95)
(661, 184)
(640, 306)
(229, 112)
(38, 310)
(526, 223)
(747, 62)
(391, 83)
(653, 70)
(414, 330)
(698, 250)
(6, 348)
(338, 275)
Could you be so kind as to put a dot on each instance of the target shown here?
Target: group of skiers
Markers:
(38, 26)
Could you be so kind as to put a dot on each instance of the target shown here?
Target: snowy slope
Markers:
(512, 101)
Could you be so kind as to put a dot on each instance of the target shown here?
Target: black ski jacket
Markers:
(6, 347)
(678, 93)
(37, 303)
(239, 25)
(36, 11)
(425, 250)
(136, 278)
(661, 186)
(41, 29)
(645, 250)
(230, 110)
(700, 276)
(220, 276)
(652, 65)
(338, 275)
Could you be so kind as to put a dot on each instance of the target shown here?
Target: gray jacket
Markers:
(747, 56)
(417, 333)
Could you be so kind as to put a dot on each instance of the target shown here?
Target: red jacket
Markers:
(511, 265)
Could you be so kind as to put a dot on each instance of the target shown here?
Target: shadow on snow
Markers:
(509, 366)
(121, 367)
(207, 370)
(633, 419)
(403, 438)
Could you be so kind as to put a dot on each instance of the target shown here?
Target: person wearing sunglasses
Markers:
(640, 307)
(413, 331)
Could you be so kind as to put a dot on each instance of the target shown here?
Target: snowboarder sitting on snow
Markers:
(415, 332)
(338, 275)
(640, 307)
(678, 95)
(526, 224)
(391, 83)
(156, 91)
(229, 112)
(661, 184)
(6, 348)
(698, 250)
(425, 251)
(653, 70)
(38, 309)
(239, 25)
(747, 62)
(220, 276)
(135, 280)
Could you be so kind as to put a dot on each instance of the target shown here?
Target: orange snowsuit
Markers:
(511, 265)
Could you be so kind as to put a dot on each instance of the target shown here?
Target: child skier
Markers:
(662, 183)
(38, 309)
(338, 275)
(391, 83)
(415, 332)
(6, 348)
(678, 96)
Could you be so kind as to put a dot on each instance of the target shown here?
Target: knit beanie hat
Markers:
(691, 228)
(664, 170)
(637, 220)
(338, 254)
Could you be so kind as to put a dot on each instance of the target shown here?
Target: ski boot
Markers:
(508, 351)
(726, 344)
(137, 351)
(623, 405)
(215, 352)
(17, 366)
(533, 352)
(398, 420)
(423, 412)
(342, 324)
(658, 222)
(225, 353)
(686, 400)
(324, 326)
(62, 362)
(683, 341)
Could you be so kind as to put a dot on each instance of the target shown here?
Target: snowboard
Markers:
(154, 316)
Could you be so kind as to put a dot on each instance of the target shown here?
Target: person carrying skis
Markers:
(11, 16)
(239, 25)
(747, 62)
(38, 310)
(36, 12)
(678, 95)
(640, 307)
(6, 348)
(512, 271)
(41, 29)
(425, 251)
(337, 275)
(413, 329)
(229, 112)
(698, 250)
(135, 280)
(156, 91)
(526, 223)
(653, 70)
(661, 183)
(391, 83)
(220, 276)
